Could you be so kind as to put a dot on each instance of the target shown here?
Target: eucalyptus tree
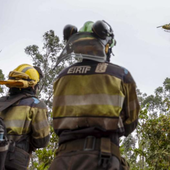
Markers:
(1, 78)
(45, 58)
(152, 151)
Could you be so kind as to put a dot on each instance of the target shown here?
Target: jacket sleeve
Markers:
(131, 106)
(40, 125)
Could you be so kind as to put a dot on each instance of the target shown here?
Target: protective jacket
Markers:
(27, 128)
(92, 97)
(94, 102)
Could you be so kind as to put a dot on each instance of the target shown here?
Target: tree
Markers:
(146, 149)
(152, 151)
(1, 78)
(46, 59)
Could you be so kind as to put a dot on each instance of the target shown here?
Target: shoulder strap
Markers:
(7, 101)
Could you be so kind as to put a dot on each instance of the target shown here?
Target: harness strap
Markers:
(105, 153)
(7, 101)
(90, 143)
(105, 146)
(17, 158)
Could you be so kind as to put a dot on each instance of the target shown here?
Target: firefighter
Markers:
(24, 115)
(95, 102)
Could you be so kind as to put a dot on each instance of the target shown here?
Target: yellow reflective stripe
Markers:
(84, 38)
(87, 110)
(38, 114)
(133, 116)
(41, 125)
(88, 84)
(90, 99)
(25, 124)
(22, 113)
(18, 131)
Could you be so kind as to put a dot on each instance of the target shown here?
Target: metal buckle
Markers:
(104, 160)
(86, 141)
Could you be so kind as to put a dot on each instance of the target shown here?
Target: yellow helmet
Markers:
(23, 76)
(30, 71)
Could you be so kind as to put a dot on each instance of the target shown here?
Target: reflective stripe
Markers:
(4, 148)
(17, 123)
(120, 123)
(133, 105)
(84, 38)
(87, 110)
(88, 84)
(78, 122)
(91, 99)
(25, 124)
(25, 69)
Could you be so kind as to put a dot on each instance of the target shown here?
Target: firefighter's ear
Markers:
(68, 31)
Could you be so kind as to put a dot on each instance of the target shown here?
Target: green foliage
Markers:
(155, 139)
(1, 78)
(152, 150)
(148, 148)
(167, 84)
(45, 58)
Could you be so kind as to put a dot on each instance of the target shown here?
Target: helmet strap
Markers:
(109, 54)
(106, 48)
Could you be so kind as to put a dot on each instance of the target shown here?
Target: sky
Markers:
(141, 48)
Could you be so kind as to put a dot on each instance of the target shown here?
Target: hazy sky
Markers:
(142, 48)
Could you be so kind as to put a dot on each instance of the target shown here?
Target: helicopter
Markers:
(166, 27)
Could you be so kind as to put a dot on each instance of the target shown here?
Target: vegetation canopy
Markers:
(148, 148)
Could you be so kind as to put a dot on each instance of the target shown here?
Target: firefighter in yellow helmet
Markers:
(24, 115)
(95, 102)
